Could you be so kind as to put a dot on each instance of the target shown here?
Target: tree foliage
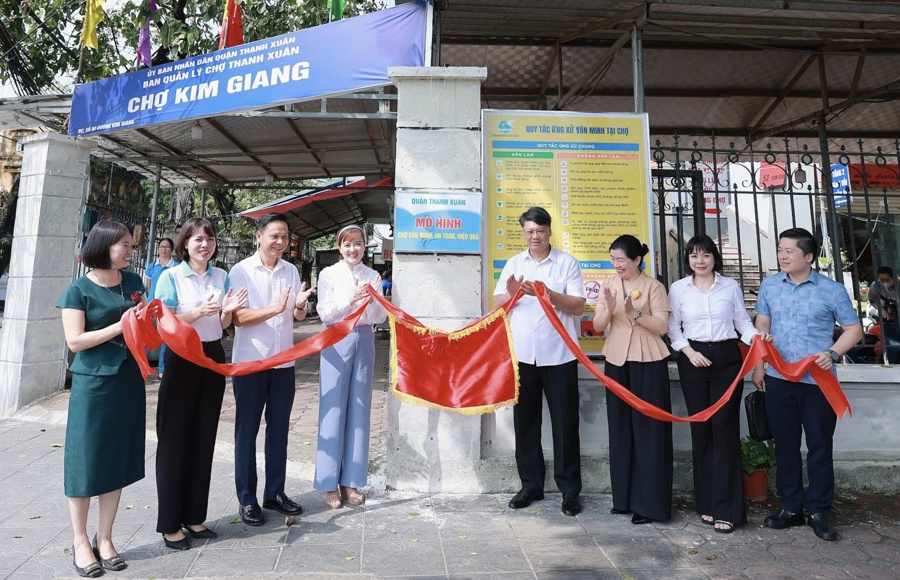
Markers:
(40, 39)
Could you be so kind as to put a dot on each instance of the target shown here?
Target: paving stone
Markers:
(564, 553)
(409, 558)
(468, 556)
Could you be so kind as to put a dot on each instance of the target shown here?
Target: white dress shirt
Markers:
(336, 285)
(535, 341)
(264, 288)
(710, 316)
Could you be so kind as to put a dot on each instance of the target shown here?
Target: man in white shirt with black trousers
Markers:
(546, 366)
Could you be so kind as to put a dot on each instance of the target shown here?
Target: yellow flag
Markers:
(93, 14)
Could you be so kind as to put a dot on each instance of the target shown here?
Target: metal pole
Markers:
(429, 31)
(829, 196)
(151, 249)
(637, 61)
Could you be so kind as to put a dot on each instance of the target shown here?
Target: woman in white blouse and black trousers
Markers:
(706, 308)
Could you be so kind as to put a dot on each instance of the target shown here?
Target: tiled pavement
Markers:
(401, 535)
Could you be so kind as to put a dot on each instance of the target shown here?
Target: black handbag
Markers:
(758, 423)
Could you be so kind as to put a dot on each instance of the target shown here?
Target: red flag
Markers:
(232, 26)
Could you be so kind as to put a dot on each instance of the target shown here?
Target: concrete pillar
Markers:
(48, 220)
(438, 151)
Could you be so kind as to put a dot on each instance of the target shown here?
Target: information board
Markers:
(591, 172)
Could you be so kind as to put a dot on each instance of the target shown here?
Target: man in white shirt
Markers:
(263, 328)
(546, 366)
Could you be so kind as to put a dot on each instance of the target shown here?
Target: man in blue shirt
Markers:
(799, 308)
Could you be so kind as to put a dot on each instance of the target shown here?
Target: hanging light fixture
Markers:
(196, 130)
(270, 177)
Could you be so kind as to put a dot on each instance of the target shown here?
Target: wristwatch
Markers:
(834, 356)
(549, 293)
(638, 315)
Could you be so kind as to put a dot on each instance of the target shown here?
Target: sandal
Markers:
(727, 529)
(333, 500)
(708, 520)
(353, 497)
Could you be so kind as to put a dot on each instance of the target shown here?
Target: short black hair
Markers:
(805, 240)
(100, 239)
(702, 243)
(188, 230)
(272, 217)
(161, 240)
(632, 247)
(538, 215)
(885, 270)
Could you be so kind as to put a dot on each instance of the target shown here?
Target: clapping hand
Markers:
(303, 296)
(608, 299)
(210, 306)
(630, 310)
(359, 291)
(513, 284)
(281, 304)
(232, 301)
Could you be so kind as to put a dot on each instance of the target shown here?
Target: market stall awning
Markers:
(319, 212)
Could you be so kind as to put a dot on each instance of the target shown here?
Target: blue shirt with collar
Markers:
(803, 315)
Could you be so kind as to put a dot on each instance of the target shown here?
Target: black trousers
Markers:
(559, 383)
(640, 448)
(716, 443)
(792, 409)
(187, 418)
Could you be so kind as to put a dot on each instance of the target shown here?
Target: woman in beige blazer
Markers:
(636, 309)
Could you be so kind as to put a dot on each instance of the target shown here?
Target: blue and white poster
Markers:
(437, 222)
(342, 56)
(840, 184)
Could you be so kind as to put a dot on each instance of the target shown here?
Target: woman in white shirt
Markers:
(706, 310)
(190, 396)
(345, 378)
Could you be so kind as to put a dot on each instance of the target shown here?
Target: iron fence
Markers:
(848, 195)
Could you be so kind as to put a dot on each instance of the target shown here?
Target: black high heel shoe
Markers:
(205, 534)
(181, 544)
(116, 563)
(92, 570)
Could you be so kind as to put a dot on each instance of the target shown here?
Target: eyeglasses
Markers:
(536, 232)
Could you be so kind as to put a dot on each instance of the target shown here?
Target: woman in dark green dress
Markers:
(104, 449)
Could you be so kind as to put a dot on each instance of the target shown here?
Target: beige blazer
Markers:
(627, 339)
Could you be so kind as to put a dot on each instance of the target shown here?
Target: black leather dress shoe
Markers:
(252, 515)
(570, 504)
(637, 519)
(524, 498)
(784, 519)
(822, 527)
(283, 504)
(618, 512)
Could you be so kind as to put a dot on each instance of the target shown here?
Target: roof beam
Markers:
(638, 12)
(893, 87)
(801, 70)
(602, 63)
(234, 141)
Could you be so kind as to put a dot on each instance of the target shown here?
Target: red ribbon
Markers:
(184, 341)
(759, 350)
(443, 372)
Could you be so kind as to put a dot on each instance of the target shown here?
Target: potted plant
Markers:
(756, 459)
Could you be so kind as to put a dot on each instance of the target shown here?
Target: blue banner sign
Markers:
(437, 222)
(840, 184)
(342, 56)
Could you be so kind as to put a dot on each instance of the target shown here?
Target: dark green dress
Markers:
(108, 405)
